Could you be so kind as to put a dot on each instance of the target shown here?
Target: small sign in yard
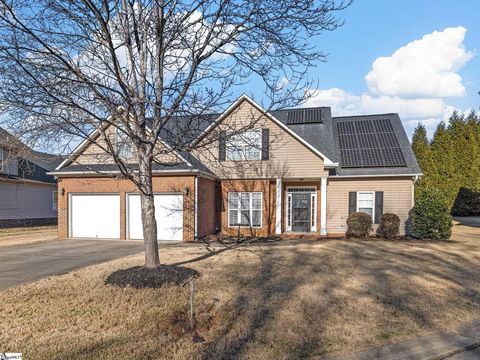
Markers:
(10, 356)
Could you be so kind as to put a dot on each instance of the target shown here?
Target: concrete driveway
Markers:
(468, 220)
(20, 264)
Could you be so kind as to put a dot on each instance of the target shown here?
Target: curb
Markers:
(454, 352)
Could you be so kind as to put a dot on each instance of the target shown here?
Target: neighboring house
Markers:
(295, 171)
(28, 196)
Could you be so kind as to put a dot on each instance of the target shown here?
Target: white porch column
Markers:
(323, 207)
(278, 207)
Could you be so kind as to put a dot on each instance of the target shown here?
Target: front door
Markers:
(300, 212)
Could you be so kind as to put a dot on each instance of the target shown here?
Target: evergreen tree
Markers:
(452, 159)
(423, 153)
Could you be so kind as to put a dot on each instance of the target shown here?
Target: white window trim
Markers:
(250, 209)
(243, 153)
(313, 211)
(373, 202)
(54, 203)
(288, 213)
(313, 204)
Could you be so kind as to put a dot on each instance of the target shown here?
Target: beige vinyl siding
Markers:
(94, 153)
(26, 200)
(289, 158)
(397, 199)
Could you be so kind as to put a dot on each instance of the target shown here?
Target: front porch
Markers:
(266, 207)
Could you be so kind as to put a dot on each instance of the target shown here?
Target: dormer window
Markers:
(245, 146)
(124, 146)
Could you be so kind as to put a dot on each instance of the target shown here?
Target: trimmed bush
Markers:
(359, 225)
(430, 217)
(389, 226)
(467, 203)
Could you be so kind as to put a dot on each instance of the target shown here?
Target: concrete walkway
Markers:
(440, 345)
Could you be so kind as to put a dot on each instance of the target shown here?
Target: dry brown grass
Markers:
(291, 299)
(27, 235)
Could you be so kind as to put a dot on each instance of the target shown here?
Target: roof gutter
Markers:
(375, 175)
(156, 172)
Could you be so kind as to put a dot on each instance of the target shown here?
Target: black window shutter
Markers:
(352, 202)
(265, 144)
(222, 146)
(378, 206)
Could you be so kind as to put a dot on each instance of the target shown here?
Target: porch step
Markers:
(309, 236)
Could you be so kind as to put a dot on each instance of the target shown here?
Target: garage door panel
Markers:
(95, 216)
(168, 213)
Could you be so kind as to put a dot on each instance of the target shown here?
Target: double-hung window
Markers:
(365, 202)
(245, 146)
(55, 200)
(124, 144)
(245, 209)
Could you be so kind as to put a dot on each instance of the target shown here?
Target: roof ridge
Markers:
(366, 115)
(303, 108)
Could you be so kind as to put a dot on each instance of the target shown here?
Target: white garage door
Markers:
(95, 216)
(168, 213)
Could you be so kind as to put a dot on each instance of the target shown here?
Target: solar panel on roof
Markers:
(369, 143)
(304, 116)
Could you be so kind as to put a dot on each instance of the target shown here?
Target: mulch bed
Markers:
(142, 277)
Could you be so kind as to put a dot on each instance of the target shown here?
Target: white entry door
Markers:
(168, 213)
(95, 216)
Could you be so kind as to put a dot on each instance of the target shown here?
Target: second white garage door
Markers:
(168, 213)
(95, 216)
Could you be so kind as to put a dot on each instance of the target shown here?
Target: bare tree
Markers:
(70, 67)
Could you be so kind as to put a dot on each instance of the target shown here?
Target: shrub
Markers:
(389, 226)
(430, 217)
(359, 225)
(467, 203)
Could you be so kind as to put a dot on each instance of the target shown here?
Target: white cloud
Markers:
(345, 103)
(413, 82)
(423, 68)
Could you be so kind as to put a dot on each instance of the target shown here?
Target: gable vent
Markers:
(304, 116)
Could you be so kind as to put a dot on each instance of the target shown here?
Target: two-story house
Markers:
(28, 196)
(293, 171)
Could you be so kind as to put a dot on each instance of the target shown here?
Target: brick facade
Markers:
(182, 184)
(267, 188)
(207, 200)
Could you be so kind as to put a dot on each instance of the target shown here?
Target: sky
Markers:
(418, 58)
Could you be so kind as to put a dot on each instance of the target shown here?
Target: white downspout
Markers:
(278, 207)
(323, 205)
(196, 209)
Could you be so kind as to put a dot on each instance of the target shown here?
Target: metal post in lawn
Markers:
(192, 300)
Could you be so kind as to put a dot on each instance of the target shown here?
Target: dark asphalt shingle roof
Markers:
(32, 165)
(321, 135)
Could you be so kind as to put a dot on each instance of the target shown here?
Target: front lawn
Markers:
(27, 235)
(289, 299)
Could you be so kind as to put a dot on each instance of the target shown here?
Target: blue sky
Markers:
(424, 81)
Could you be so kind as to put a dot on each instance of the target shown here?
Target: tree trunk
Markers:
(152, 258)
